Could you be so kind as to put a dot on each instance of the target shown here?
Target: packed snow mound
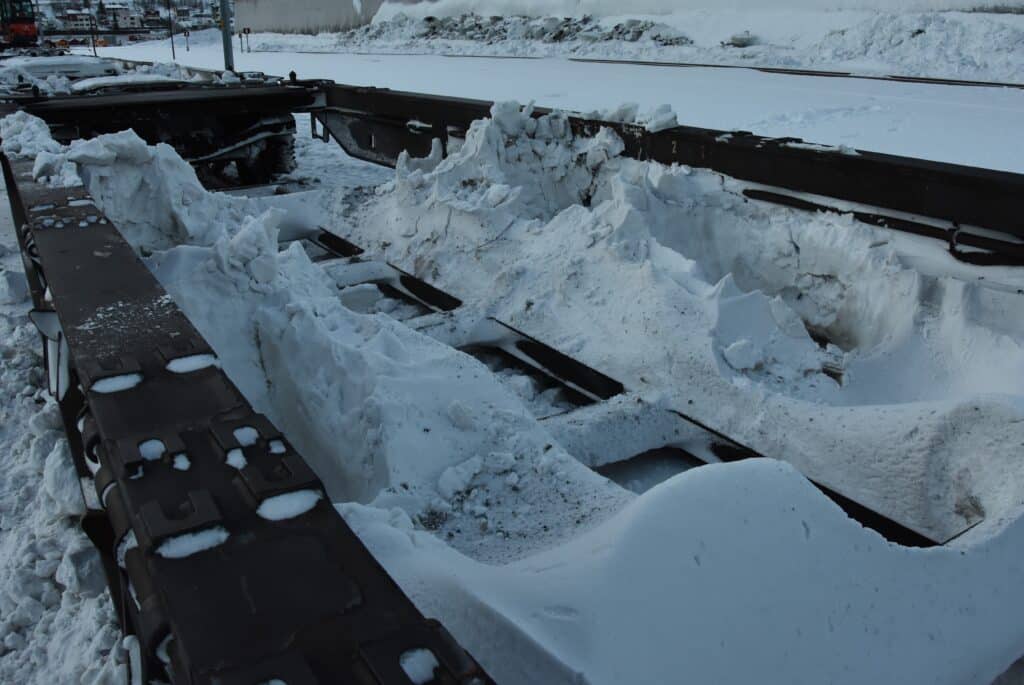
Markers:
(807, 335)
(665, 588)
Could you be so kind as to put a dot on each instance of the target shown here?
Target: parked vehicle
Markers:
(18, 24)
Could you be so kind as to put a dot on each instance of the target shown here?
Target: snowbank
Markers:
(896, 40)
(549, 8)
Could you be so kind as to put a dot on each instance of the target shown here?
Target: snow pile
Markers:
(57, 624)
(614, 8)
(898, 40)
(745, 559)
(657, 119)
(15, 78)
(493, 29)
(25, 136)
(957, 46)
(670, 281)
(160, 200)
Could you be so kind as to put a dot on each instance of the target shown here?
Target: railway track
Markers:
(786, 71)
(155, 426)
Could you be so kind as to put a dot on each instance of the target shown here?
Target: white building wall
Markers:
(303, 16)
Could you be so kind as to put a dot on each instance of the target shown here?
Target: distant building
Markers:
(303, 16)
(152, 19)
(122, 16)
(76, 20)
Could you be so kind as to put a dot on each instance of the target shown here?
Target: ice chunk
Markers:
(181, 462)
(151, 450)
(246, 435)
(277, 447)
(236, 458)
(187, 544)
(457, 478)
(288, 505)
(742, 355)
(419, 665)
(659, 119)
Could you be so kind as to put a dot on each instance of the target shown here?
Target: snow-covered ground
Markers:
(973, 126)
(484, 506)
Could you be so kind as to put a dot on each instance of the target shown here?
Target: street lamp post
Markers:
(170, 25)
(225, 32)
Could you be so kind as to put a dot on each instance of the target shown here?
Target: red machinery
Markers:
(18, 23)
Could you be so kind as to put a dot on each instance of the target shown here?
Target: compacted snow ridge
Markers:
(851, 354)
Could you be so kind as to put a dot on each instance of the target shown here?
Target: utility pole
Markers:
(170, 24)
(92, 33)
(225, 32)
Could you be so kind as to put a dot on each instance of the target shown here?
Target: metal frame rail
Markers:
(299, 598)
(976, 211)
